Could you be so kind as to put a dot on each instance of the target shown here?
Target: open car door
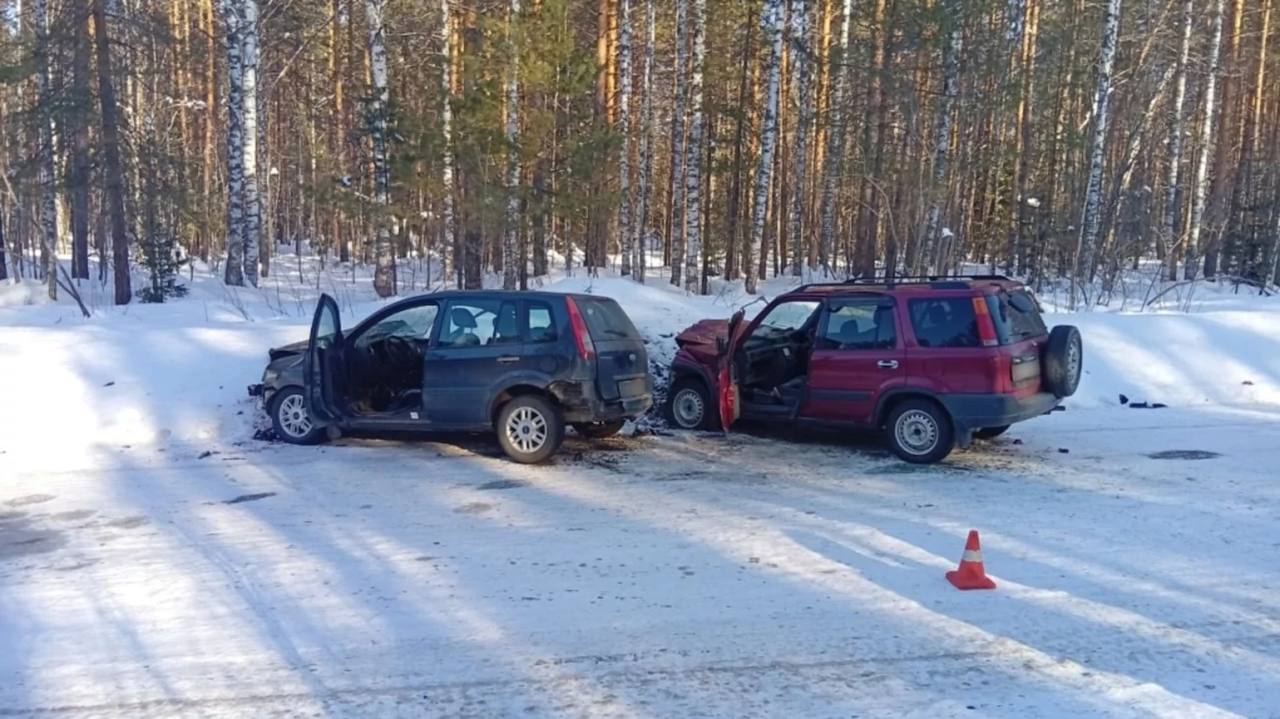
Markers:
(729, 399)
(320, 372)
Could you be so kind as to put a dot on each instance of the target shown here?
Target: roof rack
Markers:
(949, 280)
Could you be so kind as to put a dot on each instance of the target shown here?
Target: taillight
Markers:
(586, 348)
(986, 327)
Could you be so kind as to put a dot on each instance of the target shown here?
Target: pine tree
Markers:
(802, 84)
(624, 128)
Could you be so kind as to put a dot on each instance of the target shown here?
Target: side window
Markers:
(945, 322)
(784, 318)
(542, 326)
(413, 323)
(480, 322)
(860, 326)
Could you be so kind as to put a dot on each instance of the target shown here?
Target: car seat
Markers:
(462, 334)
(506, 330)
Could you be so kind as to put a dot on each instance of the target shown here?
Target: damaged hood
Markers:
(295, 348)
(700, 338)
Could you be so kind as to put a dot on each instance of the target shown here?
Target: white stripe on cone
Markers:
(971, 555)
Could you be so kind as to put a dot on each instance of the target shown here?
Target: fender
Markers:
(685, 364)
(963, 434)
(528, 378)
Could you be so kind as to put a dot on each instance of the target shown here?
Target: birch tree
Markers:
(675, 213)
(833, 159)
(1206, 147)
(694, 152)
(46, 169)
(252, 202)
(647, 139)
(450, 229)
(511, 114)
(771, 31)
(1086, 248)
(624, 128)
(1177, 130)
(932, 255)
(233, 21)
(802, 83)
(384, 274)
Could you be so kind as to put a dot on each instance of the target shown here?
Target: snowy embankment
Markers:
(148, 375)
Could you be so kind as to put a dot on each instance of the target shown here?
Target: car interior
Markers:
(773, 361)
(384, 363)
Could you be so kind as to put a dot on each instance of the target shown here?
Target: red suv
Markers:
(933, 361)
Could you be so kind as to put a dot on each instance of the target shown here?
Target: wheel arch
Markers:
(895, 397)
(519, 389)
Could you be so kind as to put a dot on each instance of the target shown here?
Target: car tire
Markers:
(990, 432)
(289, 420)
(920, 431)
(530, 429)
(599, 430)
(1063, 360)
(689, 406)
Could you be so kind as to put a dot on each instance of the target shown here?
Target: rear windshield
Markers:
(605, 319)
(1016, 316)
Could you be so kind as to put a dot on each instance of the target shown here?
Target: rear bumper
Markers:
(595, 410)
(975, 411)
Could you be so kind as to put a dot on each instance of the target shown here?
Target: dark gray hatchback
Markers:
(523, 364)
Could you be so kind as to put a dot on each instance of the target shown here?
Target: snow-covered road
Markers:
(674, 576)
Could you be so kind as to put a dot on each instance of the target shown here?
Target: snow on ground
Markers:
(157, 561)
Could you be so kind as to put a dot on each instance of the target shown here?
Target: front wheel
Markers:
(599, 430)
(919, 431)
(689, 406)
(290, 420)
(530, 429)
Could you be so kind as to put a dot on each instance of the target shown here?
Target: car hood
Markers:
(288, 350)
(699, 339)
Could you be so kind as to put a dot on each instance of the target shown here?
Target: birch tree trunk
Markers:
(1206, 148)
(834, 158)
(1086, 247)
(384, 274)
(802, 82)
(679, 153)
(511, 112)
(232, 12)
(450, 235)
(46, 169)
(252, 202)
(624, 128)
(932, 255)
(647, 140)
(1177, 130)
(771, 32)
(694, 152)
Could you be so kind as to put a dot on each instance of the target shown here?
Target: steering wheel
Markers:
(400, 351)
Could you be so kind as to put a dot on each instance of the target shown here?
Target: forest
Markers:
(679, 141)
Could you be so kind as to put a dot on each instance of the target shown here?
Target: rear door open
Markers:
(321, 371)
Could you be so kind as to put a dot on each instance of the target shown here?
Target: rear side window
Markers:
(860, 326)
(605, 319)
(542, 328)
(1016, 316)
(944, 322)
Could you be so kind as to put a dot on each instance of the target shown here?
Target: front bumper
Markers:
(975, 411)
(257, 390)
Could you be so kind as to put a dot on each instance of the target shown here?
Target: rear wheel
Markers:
(919, 431)
(599, 430)
(290, 420)
(1062, 361)
(530, 429)
(689, 405)
(990, 432)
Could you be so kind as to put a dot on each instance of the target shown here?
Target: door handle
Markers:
(508, 359)
(887, 364)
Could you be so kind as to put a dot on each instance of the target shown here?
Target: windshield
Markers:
(785, 318)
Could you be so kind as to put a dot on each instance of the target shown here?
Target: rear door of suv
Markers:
(622, 365)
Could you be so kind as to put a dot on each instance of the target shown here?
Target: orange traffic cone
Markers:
(971, 574)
